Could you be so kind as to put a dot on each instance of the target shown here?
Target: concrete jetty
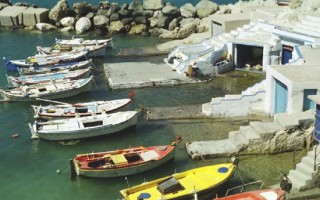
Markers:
(17, 16)
(143, 74)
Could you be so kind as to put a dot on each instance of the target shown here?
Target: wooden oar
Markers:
(57, 102)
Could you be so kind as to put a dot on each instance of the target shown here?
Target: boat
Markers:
(41, 78)
(67, 110)
(54, 89)
(84, 127)
(44, 60)
(53, 68)
(122, 162)
(93, 50)
(264, 194)
(259, 194)
(202, 182)
(82, 42)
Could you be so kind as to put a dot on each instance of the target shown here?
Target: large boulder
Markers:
(59, 11)
(153, 4)
(6, 1)
(138, 29)
(163, 22)
(136, 5)
(188, 10)
(114, 17)
(205, 8)
(116, 27)
(186, 30)
(173, 24)
(170, 10)
(140, 20)
(83, 25)
(100, 20)
(67, 21)
(45, 27)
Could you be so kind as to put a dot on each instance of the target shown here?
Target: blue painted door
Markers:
(281, 97)
(286, 54)
(317, 125)
(307, 103)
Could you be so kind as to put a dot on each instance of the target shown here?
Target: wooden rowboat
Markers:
(122, 162)
(266, 194)
(41, 78)
(82, 42)
(46, 60)
(201, 182)
(48, 90)
(84, 127)
(93, 50)
(78, 109)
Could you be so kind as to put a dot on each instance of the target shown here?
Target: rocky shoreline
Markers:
(140, 17)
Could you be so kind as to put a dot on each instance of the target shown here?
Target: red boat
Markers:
(122, 162)
(268, 194)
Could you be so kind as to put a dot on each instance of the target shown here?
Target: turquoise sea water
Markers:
(50, 3)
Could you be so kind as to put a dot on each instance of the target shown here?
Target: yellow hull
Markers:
(183, 185)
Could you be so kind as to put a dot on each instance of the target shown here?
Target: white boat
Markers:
(78, 109)
(83, 42)
(48, 90)
(45, 60)
(53, 68)
(93, 50)
(84, 127)
(40, 78)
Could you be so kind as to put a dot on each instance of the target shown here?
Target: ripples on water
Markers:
(28, 168)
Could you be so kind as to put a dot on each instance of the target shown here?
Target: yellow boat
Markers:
(200, 182)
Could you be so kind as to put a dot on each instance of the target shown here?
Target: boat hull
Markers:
(56, 95)
(205, 182)
(86, 133)
(124, 171)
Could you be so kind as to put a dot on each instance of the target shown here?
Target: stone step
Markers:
(249, 133)
(233, 96)
(216, 100)
(214, 148)
(296, 182)
(238, 140)
(308, 160)
(305, 169)
(266, 130)
(304, 117)
(286, 121)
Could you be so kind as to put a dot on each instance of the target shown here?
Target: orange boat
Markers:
(267, 194)
(122, 162)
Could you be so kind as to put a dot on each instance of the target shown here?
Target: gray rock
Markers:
(113, 9)
(6, 1)
(153, 21)
(156, 31)
(125, 13)
(170, 10)
(153, 4)
(163, 22)
(186, 30)
(116, 27)
(127, 21)
(188, 10)
(140, 20)
(100, 20)
(136, 5)
(146, 13)
(83, 8)
(45, 27)
(104, 5)
(294, 4)
(138, 29)
(67, 29)
(102, 12)
(90, 15)
(169, 34)
(114, 17)
(205, 8)
(59, 11)
(67, 21)
(173, 24)
(186, 21)
(83, 25)
(124, 6)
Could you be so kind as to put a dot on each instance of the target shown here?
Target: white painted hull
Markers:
(70, 134)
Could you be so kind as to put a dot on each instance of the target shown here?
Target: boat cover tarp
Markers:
(119, 159)
(149, 155)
